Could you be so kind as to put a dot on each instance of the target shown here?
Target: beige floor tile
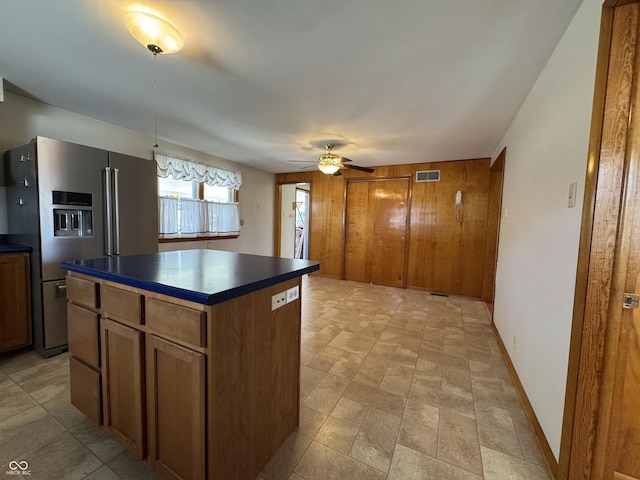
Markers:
(500, 439)
(419, 437)
(397, 379)
(13, 400)
(323, 463)
(128, 468)
(310, 421)
(348, 364)
(326, 394)
(352, 342)
(62, 458)
(26, 432)
(372, 371)
(92, 436)
(375, 398)
(376, 439)
(443, 400)
(102, 473)
(337, 434)
(286, 458)
(498, 466)
(458, 442)
(492, 415)
(408, 464)
(21, 361)
(420, 413)
(325, 359)
(349, 411)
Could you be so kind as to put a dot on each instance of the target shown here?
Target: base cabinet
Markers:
(176, 409)
(123, 385)
(15, 301)
(201, 392)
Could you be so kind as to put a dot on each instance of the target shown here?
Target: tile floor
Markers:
(395, 384)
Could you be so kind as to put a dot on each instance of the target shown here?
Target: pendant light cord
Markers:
(155, 100)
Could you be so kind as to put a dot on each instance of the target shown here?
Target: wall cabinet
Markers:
(15, 301)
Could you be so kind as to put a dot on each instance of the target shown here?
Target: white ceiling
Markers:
(262, 82)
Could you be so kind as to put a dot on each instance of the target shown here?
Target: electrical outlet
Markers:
(278, 300)
(293, 294)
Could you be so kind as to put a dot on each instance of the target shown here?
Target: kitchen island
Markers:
(190, 359)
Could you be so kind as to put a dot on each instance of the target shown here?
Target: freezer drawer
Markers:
(54, 303)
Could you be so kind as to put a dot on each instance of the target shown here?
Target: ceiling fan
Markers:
(330, 163)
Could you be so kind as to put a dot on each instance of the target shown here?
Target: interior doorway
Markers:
(494, 214)
(375, 231)
(294, 220)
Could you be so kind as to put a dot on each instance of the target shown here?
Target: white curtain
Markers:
(183, 169)
(168, 216)
(197, 218)
(189, 217)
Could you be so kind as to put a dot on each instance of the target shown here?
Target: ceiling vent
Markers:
(428, 176)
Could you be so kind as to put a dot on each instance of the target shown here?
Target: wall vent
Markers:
(428, 176)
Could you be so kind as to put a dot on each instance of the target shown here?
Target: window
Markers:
(196, 200)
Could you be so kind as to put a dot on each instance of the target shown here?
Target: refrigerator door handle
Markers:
(116, 213)
(108, 233)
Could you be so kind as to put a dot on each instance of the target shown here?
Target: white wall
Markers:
(546, 151)
(22, 119)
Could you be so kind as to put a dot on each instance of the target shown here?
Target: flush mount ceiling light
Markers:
(329, 163)
(154, 32)
(160, 37)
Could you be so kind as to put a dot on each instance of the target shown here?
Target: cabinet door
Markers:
(15, 308)
(123, 385)
(175, 409)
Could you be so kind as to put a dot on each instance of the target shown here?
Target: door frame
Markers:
(601, 267)
(488, 293)
(278, 212)
(407, 228)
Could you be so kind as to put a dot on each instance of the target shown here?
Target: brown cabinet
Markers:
(123, 385)
(15, 301)
(199, 391)
(175, 409)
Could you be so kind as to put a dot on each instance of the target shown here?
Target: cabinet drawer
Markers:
(120, 304)
(83, 292)
(175, 321)
(85, 390)
(84, 335)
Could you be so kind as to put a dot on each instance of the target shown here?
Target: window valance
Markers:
(183, 169)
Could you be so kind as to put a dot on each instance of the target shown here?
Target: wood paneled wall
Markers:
(443, 255)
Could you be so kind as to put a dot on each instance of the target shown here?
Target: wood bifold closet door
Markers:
(375, 231)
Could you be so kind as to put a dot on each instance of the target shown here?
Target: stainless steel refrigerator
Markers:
(70, 202)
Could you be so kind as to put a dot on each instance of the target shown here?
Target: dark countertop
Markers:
(201, 276)
(13, 248)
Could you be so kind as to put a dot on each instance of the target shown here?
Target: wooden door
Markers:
(496, 180)
(601, 432)
(176, 409)
(375, 231)
(15, 305)
(122, 385)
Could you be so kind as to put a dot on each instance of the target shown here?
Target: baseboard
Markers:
(552, 463)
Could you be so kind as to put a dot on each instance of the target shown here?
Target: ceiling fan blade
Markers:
(361, 169)
(337, 173)
(343, 159)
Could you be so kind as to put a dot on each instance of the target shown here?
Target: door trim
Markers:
(595, 276)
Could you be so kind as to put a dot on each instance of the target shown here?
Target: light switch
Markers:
(573, 188)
